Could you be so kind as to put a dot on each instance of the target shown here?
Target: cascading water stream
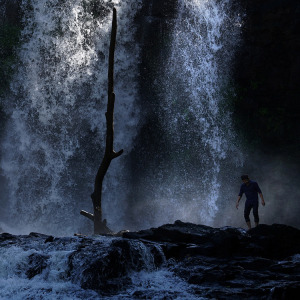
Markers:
(188, 179)
(193, 107)
(55, 135)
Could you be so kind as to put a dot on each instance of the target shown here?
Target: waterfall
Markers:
(193, 109)
(197, 155)
(54, 138)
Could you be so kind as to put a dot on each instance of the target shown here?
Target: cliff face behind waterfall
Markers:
(267, 73)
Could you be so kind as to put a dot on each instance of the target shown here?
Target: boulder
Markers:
(180, 239)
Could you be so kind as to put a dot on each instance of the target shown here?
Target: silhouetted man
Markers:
(251, 190)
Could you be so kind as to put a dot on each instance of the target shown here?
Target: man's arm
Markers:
(239, 197)
(262, 199)
(260, 195)
(237, 202)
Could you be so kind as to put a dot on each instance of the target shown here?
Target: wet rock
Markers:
(146, 294)
(181, 239)
(36, 234)
(6, 237)
(49, 239)
(286, 267)
(224, 278)
(254, 263)
(230, 263)
(289, 291)
(37, 263)
(277, 240)
(220, 263)
(179, 232)
(109, 272)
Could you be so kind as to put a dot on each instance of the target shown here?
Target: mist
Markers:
(278, 177)
(183, 155)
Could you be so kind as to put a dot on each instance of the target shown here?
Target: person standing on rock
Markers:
(251, 190)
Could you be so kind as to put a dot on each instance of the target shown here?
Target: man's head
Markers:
(245, 178)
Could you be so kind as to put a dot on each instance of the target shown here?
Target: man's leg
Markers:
(246, 214)
(255, 213)
(248, 224)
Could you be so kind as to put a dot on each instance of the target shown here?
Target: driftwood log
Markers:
(99, 224)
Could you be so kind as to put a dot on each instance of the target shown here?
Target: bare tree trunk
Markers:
(110, 154)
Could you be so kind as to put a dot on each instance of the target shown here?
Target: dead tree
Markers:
(99, 224)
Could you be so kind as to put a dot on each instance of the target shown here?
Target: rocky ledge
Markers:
(197, 261)
(231, 263)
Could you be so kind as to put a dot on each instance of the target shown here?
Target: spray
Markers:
(55, 134)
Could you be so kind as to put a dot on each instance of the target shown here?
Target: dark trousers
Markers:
(248, 207)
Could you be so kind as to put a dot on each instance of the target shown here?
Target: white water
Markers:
(55, 135)
(57, 280)
(197, 121)
(54, 138)
(201, 144)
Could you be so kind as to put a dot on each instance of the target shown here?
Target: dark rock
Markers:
(277, 240)
(196, 279)
(158, 255)
(286, 267)
(226, 242)
(6, 237)
(149, 294)
(132, 254)
(36, 234)
(37, 263)
(180, 251)
(290, 291)
(186, 239)
(255, 263)
(223, 277)
(230, 263)
(179, 232)
(221, 263)
(49, 239)
(109, 272)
